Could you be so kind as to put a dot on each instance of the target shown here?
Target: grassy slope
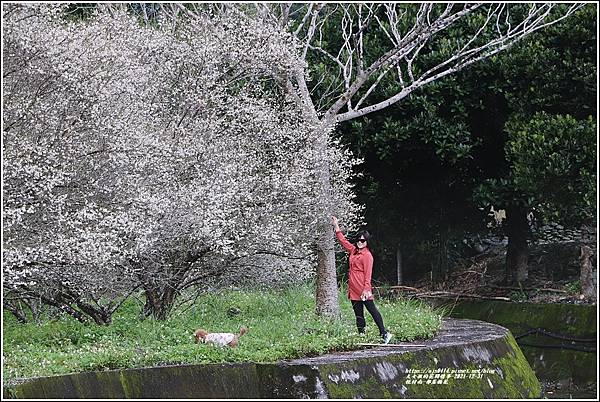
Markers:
(282, 325)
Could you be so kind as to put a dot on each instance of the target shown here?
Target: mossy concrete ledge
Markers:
(551, 358)
(466, 359)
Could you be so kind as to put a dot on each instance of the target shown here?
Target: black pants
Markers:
(357, 306)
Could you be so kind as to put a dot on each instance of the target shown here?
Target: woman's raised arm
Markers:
(349, 247)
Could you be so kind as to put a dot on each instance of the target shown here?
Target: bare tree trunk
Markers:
(440, 267)
(17, 310)
(99, 315)
(161, 294)
(70, 302)
(588, 288)
(327, 290)
(159, 302)
(167, 303)
(35, 306)
(326, 294)
(151, 301)
(399, 265)
(64, 307)
(517, 254)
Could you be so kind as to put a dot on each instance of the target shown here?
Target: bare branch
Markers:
(311, 29)
(304, 19)
(461, 58)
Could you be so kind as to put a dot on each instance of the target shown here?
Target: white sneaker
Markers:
(387, 338)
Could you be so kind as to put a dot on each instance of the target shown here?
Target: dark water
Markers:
(558, 391)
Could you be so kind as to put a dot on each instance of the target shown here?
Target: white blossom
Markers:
(147, 156)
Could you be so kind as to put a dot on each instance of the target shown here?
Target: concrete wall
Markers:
(551, 358)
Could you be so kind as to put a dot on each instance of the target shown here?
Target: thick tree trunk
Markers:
(161, 294)
(160, 300)
(588, 287)
(327, 290)
(151, 302)
(159, 303)
(326, 294)
(517, 254)
(166, 303)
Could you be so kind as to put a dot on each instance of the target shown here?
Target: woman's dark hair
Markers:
(364, 233)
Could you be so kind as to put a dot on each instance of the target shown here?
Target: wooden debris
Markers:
(405, 288)
(517, 288)
(461, 295)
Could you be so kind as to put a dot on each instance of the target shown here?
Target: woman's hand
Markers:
(365, 295)
(334, 222)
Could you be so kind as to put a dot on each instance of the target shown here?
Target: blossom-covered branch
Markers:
(147, 157)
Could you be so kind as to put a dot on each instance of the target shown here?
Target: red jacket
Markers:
(361, 268)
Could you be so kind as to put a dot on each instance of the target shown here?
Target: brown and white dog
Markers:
(219, 338)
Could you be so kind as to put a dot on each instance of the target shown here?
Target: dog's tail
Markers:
(243, 330)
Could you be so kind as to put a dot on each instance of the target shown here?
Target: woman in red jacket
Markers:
(359, 280)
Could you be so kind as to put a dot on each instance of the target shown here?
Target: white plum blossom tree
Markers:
(152, 157)
(60, 209)
(139, 93)
(364, 57)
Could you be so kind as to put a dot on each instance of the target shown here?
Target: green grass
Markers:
(282, 325)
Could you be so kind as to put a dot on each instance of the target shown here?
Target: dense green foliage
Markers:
(547, 123)
(437, 161)
(281, 324)
(553, 160)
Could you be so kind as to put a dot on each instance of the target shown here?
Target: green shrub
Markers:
(573, 287)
